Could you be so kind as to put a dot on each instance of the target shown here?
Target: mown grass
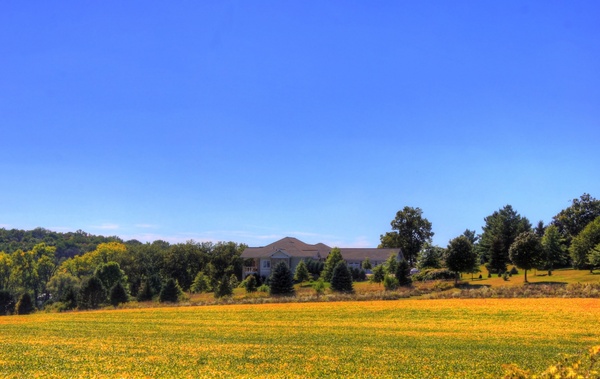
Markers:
(403, 339)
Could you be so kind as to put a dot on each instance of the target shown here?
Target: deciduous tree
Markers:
(583, 243)
(526, 252)
(460, 256)
(410, 231)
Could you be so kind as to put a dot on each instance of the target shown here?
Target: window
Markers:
(266, 264)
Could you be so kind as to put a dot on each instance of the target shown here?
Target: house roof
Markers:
(374, 254)
(291, 246)
(296, 248)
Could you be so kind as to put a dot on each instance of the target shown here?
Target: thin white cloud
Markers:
(146, 226)
(106, 226)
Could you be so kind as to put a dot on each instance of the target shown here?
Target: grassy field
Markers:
(405, 338)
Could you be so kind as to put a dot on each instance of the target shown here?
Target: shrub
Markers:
(319, 287)
(118, 294)
(264, 288)
(25, 304)
(341, 280)
(390, 283)
(282, 282)
(434, 274)
(514, 271)
(233, 281)
(91, 294)
(171, 292)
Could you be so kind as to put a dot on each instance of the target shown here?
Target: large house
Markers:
(260, 260)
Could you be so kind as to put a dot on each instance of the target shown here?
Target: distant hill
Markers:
(67, 244)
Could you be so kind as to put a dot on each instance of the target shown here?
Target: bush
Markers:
(91, 294)
(341, 280)
(118, 294)
(7, 303)
(25, 304)
(233, 281)
(264, 288)
(171, 292)
(319, 287)
(514, 271)
(390, 283)
(434, 274)
(282, 282)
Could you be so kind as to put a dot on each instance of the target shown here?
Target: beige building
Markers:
(260, 260)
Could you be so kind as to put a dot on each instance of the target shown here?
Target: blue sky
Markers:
(251, 121)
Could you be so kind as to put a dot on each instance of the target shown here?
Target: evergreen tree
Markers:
(334, 257)
(250, 284)
(223, 288)
(391, 264)
(145, 293)
(302, 273)
(554, 249)
(378, 274)
(366, 264)
(233, 281)
(118, 294)
(282, 282)
(201, 283)
(171, 292)
(403, 273)
(91, 294)
(341, 281)
(25, 304)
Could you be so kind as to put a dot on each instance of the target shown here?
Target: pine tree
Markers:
(201, 283)
(118, 294)
(403, 273)
(341, 281)
(171, 292)
(145, 293)
(378, 274)
(282, 282)
(223, 288)
(302, 273)
(250, 284)
(91, 294)
(334, 257)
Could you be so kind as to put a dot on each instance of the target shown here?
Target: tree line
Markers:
(571, 239)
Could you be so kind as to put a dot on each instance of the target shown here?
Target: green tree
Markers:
(366, 264)
(301, 274)
(572, 220)
(526, 252)
(91, 294)
(319, 287)
(282, 282)
(593, 257)
(146, 292)
(403, 273)
(201, 283)
(334, 257)
(391, 264)
(583, 243)
(7, 303)
(110, 274)
(410, 231)
(378, 274)
(341, 280)
(171, 292)
(554, 249)
(430, 257)
(5, 270)
(250, 284)
(224, 287)
(61, 284)
(25, 304)
(460, 256)
(24, 274)
(499, 232)
(118, 294)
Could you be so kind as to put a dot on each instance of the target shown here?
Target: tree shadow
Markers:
(546, 282)
(472, 286)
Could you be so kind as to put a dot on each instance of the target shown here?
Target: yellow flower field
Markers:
(402, 339)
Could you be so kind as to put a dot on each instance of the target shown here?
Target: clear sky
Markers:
(249, 121)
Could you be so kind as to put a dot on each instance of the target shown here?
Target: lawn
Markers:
(407, 338)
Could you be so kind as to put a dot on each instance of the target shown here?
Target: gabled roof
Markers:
(291, 246)
(374, 254)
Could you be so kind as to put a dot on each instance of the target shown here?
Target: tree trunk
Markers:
(526, 276)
